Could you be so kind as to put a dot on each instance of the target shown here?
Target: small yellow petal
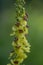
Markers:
(13, 28)
(12, 61)
(12, 34)
(9, 64)
(11, 54)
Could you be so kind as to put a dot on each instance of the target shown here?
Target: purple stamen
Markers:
(25, 18)
(27, 15)
(20, 31)
(17, 24)
(27, 26)
(15, 62)
(18, 46)
(16, 39)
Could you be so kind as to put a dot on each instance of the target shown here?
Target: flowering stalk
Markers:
(20, 30)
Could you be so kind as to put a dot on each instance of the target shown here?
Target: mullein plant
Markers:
(20, 44)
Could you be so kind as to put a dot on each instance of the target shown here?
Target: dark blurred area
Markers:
(35, 36)
(9, 3)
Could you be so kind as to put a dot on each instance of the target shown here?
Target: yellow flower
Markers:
(23, 22)
(9, 64)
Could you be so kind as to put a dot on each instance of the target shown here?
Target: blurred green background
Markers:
(35, 36)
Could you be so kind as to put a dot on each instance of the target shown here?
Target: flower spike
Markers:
(20, 30)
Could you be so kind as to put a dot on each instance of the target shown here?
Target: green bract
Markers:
(20, 30)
